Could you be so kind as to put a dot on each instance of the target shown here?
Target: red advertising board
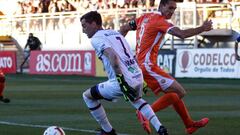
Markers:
(8, 61)
(63, 62)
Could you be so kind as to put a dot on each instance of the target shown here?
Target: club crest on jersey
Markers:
(163, 81)
(101, 86)
(145, 20)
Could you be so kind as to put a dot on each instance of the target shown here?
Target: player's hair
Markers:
(164, 2)
(30, 34)
(92, 16)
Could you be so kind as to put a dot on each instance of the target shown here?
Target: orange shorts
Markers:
(156, 78)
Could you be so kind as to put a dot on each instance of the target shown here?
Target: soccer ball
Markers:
(54, 130)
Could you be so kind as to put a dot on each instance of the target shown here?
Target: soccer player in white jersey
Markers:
(124, 76)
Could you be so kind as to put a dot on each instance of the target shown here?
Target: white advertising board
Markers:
(207, 63)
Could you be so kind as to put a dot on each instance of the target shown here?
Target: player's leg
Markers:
(158, 81)
(172, 97)
(153, 81)
(109, 91)
(91, 98)
(161, 103)
(179, 105)
(181, 109)
(142, 106)
(173, 94)
(172, 89)
(2, 86)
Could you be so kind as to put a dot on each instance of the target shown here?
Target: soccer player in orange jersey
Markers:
(150, 31)
(2, 85)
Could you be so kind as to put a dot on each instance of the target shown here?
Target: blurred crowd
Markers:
(54, 6)
(81, 6)
(51, 6)
(43, 6)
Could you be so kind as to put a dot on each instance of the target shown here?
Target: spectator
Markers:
(53, 7)
(66, 6)
(44, 5)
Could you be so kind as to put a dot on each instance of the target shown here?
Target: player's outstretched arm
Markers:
(206, 26)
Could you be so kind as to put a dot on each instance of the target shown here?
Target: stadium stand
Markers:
(57, 19)
(7, 43)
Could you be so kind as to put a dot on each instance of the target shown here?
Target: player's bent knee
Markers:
(87, 94)
(173, 97)
(91, 103)
(182, 94)
(85, 97)
(95, 93)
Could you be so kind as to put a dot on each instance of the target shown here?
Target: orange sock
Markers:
(165, 101)
(173, 99)
(181, 109)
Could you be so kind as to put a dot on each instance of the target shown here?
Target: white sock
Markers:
(98, 113)
(147, 112)
(101, 117)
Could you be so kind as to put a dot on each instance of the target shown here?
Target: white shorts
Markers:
(111, 90)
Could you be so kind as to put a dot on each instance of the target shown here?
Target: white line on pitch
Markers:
(46, 126)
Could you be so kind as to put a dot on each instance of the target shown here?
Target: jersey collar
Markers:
(158, 12)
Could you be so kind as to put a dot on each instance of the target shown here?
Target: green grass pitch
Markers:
(39, 101)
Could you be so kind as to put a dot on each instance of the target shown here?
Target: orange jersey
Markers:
(151, 29)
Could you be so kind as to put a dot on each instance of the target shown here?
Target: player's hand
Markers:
(238, 39)
(207, 25)
(237, 57)
(129, 93)
(145, 88)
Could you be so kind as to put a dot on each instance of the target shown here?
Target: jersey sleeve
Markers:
(164, 26)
